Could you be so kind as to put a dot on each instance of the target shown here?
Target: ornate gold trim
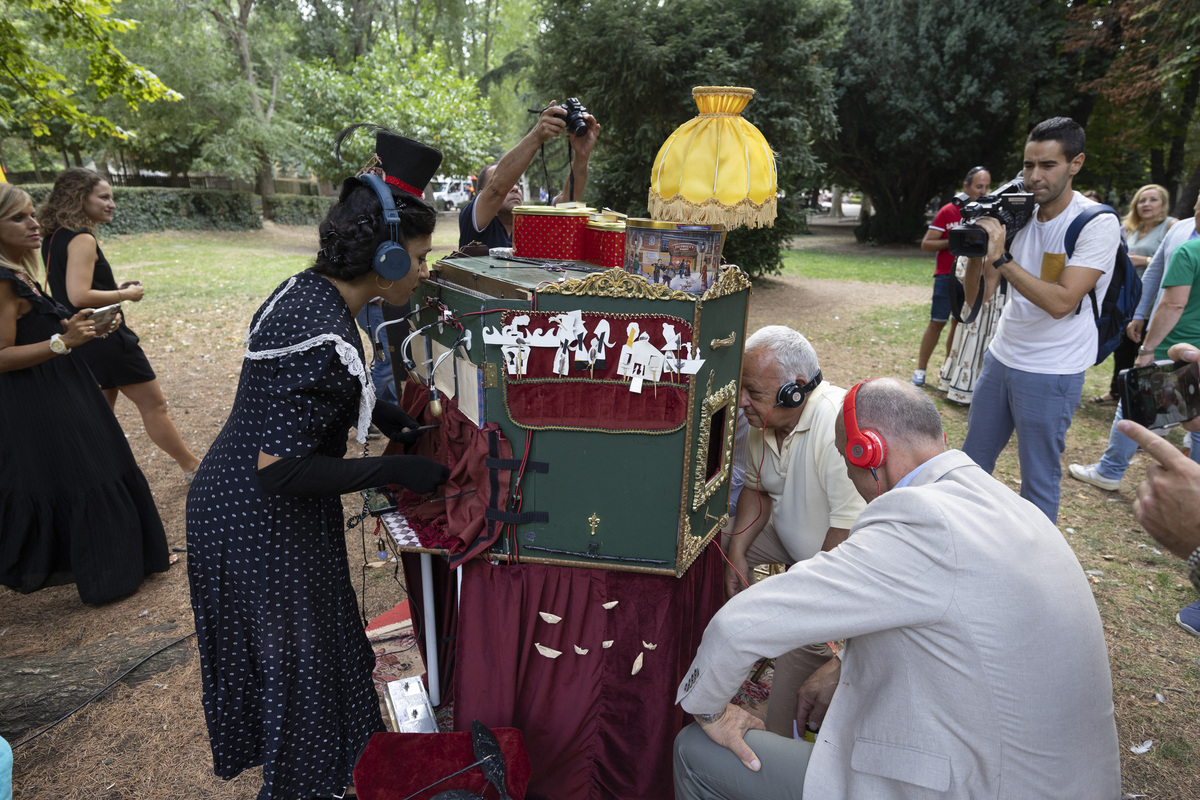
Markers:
(617, 282)
(731, 281)
(723, 398)
(740, 91)
(586, 563)
(726, 342)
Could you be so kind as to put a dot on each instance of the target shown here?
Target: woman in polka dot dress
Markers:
(286, 666)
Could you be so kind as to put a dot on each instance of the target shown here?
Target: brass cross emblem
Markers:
(593, 520)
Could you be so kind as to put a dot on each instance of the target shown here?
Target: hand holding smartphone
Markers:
(104, 318)
(1161, 394)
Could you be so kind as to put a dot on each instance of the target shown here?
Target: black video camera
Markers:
(1010, 204)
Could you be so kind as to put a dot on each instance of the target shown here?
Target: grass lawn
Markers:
(916, 270)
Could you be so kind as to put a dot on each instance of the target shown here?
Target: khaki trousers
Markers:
(791, 668)
(704, 770)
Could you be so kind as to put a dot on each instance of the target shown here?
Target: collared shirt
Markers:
(912, 474)
(805, 477)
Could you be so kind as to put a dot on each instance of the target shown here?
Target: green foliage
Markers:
(760, 250)
(293, 209)
(414, 97)
(633, 63)
(925, 91)
(33, 92)
(142, 209)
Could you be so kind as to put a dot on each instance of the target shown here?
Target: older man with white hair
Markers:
(797, 500)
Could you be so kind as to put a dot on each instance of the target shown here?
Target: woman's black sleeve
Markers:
(326, 475)
(395, 422)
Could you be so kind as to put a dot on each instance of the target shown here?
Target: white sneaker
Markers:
(1088, 474)
(918, 378)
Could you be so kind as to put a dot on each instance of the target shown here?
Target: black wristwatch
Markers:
(1002, 260)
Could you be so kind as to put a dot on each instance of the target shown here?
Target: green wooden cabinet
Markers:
(625, 479)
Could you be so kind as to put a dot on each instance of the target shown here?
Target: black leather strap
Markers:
(515, 463)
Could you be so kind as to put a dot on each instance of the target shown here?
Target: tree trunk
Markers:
(835, 202)
(265, 179)
(1186, 206)
(1186, 108)
(37, 690)
(33, 156)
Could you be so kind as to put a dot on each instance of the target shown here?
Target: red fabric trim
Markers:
(406, 187)
(573, 405)
(598, 398)
(395, 765)
(456, 524)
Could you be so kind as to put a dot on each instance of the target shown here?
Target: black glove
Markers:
(395, 422)
(326, 475)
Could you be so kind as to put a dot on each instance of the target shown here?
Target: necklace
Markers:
(28, 281)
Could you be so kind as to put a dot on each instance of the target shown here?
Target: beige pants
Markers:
(791, 668)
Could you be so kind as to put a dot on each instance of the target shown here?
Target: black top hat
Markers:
(404, 163)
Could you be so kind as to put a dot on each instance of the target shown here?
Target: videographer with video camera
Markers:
(1033, 370)
(488, 217)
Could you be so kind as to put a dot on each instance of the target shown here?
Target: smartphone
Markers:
(1161, 394)
(379, 501)
(104, 316)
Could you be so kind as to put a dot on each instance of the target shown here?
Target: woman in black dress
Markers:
(285, 663)
(74, 507)
(79, 276)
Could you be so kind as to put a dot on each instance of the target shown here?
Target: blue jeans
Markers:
(368, 319)
(1121, 448)
(1039, 408)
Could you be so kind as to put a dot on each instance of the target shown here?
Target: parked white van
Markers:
(451, 193)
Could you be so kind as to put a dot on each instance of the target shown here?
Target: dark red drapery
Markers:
(592, 728)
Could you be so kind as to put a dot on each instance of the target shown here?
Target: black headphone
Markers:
(392, 261)
(792, 394)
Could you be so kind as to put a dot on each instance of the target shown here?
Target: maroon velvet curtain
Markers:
(452, 518)
(593, 729)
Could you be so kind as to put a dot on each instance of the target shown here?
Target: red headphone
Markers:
(864, 448)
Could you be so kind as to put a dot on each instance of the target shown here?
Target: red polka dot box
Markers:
(604, 240)
(555, 232)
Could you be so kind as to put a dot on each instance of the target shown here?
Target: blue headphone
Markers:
(392, 261)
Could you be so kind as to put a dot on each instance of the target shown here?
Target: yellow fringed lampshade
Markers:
(716, 168)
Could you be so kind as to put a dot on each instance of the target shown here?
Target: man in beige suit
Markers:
(975, 664)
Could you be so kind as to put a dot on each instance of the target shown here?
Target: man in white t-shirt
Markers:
(797, 499)
(1034, 367)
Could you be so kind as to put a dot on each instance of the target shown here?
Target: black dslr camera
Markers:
(576, 124)
(1010, 204)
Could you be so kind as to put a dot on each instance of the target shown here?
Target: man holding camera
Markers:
(936, 240)
(488, 218)
(1033, 370)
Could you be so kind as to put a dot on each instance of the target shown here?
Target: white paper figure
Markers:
(516, 358)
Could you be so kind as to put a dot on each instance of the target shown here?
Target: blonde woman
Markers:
(80, 276)
(74, 507)
(1145, 226)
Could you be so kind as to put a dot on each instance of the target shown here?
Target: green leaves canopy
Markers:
(633, 63)
(413, 96)
(33, 93)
